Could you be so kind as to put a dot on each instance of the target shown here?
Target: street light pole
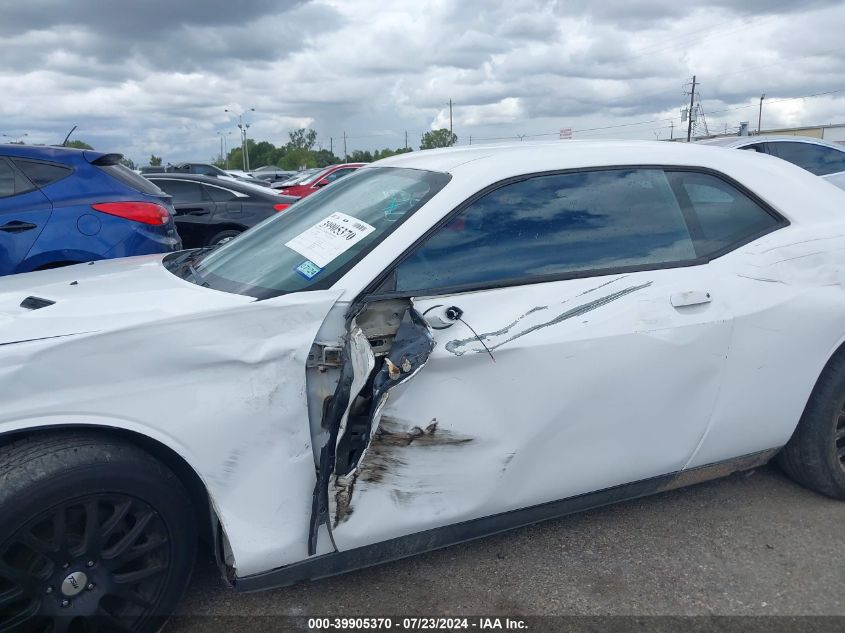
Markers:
(224, 148)
(18, 137)
(243, 128)
(760, 113)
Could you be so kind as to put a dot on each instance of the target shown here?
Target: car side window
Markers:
(203, 170)
(182, 191)
(218, 194)
(816, 159)
(756, 147)
(554, 225)
(7, 179)
(11, 182)
(718, 214)
(42, 174)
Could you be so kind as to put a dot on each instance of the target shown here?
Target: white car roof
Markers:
(783, 185)
(513, 158)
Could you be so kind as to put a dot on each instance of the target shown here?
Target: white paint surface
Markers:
(592, 385)
(223, 386)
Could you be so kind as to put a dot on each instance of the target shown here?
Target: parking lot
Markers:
(752, 544)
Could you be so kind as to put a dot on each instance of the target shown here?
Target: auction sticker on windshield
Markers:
(329, 238)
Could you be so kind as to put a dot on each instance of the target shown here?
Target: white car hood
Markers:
(101, 296)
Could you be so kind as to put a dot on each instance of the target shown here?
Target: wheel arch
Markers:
(213, 230)
(836, 352)
(207, 521)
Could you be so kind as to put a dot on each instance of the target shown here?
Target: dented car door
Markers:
(549, 400)
(534, 390)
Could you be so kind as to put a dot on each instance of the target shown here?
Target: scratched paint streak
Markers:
(455, 347)
(385, 458)
(607, 283)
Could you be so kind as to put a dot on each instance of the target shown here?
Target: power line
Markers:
(752, 105)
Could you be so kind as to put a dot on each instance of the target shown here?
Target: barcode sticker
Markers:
(329, 238)
(308, 269)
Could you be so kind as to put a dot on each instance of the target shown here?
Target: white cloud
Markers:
(149, 78)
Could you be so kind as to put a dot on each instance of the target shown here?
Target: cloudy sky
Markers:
(144, 76)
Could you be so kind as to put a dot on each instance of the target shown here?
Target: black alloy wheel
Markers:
(839, 435)
(95, 536)
(99, 557)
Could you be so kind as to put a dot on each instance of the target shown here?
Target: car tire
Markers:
(815, 455)
(92, 530)
(222, 237)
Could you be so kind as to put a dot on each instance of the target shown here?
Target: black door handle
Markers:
(16, 226)
(192, 211)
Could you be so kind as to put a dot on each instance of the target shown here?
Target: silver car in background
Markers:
(819, 157)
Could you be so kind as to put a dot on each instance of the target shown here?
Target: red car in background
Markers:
(320, 179)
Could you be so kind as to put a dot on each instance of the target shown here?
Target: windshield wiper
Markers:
(184, 266)
(200, 279)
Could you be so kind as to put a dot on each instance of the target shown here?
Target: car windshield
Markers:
(313, 177)
(298, 178)
(317, 240)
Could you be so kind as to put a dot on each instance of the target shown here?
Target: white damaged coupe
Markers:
(443, 345)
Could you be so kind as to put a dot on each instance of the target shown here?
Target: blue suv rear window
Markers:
(131, 179)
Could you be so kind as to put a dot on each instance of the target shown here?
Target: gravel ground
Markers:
(751, 544)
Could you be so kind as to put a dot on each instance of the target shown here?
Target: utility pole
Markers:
(244, 149)
(450, 120)
(672, 129)
(344, 147)
(689, 119)
(331, 145)
(760, 113)
(470, 139)
(243, 128)
(406, 140)
(224, 149)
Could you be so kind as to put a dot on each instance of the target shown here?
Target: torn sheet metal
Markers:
(566, 408)
(223, 386)
(338, 470)
(358, 364)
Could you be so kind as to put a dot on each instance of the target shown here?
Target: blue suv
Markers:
(61, 206)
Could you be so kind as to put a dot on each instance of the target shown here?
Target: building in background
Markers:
(834, 133)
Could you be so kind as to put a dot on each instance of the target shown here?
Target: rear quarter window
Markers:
(219, 194)
(40, 173)
(719, 215)
(12, 182)
(127, 177)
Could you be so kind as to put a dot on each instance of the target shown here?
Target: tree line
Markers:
(300, 151)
